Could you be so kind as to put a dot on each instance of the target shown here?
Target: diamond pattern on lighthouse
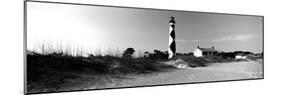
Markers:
(172, 35)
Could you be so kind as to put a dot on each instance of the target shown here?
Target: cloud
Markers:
(234, 38)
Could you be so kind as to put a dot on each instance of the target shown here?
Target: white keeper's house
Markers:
(201, 52)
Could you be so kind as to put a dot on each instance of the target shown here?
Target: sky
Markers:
(99, 28)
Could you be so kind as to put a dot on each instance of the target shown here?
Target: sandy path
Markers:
(214, 72)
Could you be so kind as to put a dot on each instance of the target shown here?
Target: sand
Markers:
(214, 72)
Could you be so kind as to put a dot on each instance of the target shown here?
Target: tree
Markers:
(190, 54)
(128, 52)
(146, 54)
(247, 52)
(157, 54)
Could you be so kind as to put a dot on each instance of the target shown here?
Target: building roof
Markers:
(208, 49)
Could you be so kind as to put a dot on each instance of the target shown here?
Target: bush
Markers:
(128, 52)
(158, 55)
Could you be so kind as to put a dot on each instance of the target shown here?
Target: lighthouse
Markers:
(172, 35)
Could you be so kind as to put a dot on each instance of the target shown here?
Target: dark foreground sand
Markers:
(214, 72)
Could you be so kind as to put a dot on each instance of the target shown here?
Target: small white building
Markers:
(201, 52)
(240, 56)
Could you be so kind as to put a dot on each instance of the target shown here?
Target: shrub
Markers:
(158, 55)
(128, 52)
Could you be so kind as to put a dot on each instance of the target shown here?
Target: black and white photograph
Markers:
(78, 47)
